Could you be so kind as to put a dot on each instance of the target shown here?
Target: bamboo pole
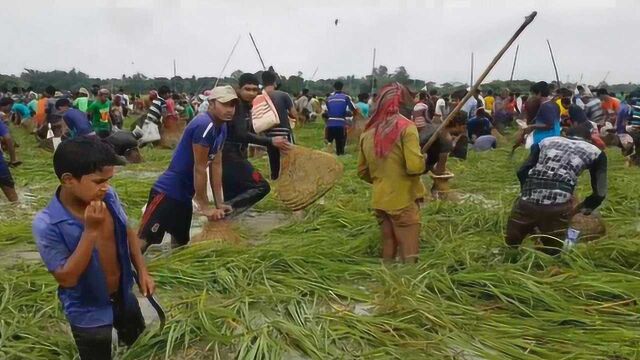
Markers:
(515, 59)
(475, 87)
(233, 49)
(553, 60)
(264, 68)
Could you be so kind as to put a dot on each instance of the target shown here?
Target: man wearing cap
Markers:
(243, 185)
(169, 209)
(77, 121)
(98, 112)
(33, 102)
(82, 100)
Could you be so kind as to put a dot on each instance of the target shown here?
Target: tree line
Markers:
(138, 83)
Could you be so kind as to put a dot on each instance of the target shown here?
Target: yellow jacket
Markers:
(395, 178)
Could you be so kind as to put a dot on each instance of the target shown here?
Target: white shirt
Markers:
(470, 106)
(203, 107)
(440, 107)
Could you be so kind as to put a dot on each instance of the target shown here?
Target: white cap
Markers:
(223, 94)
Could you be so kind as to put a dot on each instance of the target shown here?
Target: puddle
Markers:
(15, 257)
(27, 204)
(260, 223)
(479, 200)
(252, 223)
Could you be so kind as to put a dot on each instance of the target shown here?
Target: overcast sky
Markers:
(433, 39)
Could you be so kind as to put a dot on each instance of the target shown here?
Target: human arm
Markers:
(215, 180)
(292, 109)
(532, 160)
(11, 149)
(598, 172)
(413, 158)
(201, 164)
(352, 107)
(242, 131)
(145, 281)
(363, 166)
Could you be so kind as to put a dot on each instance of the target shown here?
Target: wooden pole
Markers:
(174, 75)
(475, 87)
(258, 51)
(227, 62)
(471, 82)
(373, 72)
(515, 58)
(553, 59)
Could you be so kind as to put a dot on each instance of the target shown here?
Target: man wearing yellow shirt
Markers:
(488, 101)
(390, 158)
(563, 99)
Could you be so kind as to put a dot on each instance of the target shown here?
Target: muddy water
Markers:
(254, 225)
(250, 227)
(13, 257)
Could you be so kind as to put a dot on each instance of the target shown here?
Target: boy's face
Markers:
(89, 187)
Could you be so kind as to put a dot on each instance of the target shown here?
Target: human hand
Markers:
(226, 208)
(146, 284)
(213, 214)
(281, 143)
(95, 214)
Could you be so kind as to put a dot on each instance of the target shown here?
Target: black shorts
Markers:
(6, 180)
(95, 342)
(165, 215)
(335, 133)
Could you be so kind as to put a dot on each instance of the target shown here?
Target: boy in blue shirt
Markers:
(170, 209)
(85, 242)
(77, 121)
(547, 121)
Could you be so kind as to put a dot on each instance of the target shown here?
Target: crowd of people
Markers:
(406, 134)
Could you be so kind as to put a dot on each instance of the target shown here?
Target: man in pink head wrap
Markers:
(390, 159)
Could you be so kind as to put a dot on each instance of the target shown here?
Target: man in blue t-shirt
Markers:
(77, 121)
(169, 209)
(547, 121)
(338, 105)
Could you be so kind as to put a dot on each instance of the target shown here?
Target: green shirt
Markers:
(33, 105)
(189, 111)
(99, 114)
(81, 103)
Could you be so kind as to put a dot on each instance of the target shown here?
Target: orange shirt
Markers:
(40, 110)
(611, 103)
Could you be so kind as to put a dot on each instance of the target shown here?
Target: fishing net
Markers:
(305, 176)
(591, 226)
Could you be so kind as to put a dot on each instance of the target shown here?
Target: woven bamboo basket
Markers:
(305, 176)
